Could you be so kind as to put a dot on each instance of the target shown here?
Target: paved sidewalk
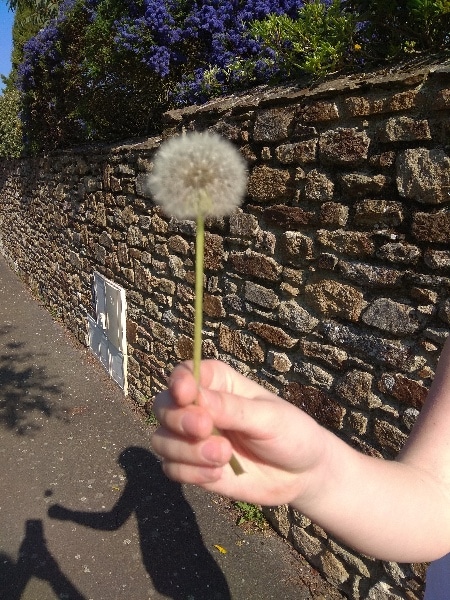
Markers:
(85, 511)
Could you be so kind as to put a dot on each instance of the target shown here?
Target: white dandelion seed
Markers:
(198, 174)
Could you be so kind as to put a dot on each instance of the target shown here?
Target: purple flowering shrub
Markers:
(105, 69)
(108, 69)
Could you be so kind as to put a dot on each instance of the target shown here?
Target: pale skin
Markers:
(392, 510)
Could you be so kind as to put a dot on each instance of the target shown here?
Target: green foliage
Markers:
(10, 125)
(393, 29)
(317, 42)
(38, 12)
(23, 29)
(250, 513)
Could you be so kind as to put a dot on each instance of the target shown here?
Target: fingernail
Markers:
(212, 452)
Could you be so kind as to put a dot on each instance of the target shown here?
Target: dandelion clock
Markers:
(195, 176)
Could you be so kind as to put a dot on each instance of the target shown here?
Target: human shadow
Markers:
(172, 548)
(35, 560)
(26, 390)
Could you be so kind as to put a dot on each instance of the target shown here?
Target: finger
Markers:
(192, 421)
(212, 452)
(256, 417)
(192, 474)
(214, 375)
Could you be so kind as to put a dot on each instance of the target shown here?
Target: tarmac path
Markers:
(85, 510)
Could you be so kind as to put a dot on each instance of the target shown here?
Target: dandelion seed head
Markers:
(198, 174)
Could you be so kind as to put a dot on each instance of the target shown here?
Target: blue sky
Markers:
(6, 23)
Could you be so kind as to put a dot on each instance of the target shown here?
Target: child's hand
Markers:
(56, 511)
(276, 443)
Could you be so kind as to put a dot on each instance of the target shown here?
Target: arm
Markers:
(103, 521)
(393, 510)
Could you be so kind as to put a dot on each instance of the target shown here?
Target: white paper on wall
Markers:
(107, 332)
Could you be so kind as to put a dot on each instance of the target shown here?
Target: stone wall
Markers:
(331, 286)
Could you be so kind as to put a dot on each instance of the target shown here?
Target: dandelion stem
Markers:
(198, 319)
(198, 322)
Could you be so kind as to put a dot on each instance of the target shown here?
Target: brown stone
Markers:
(357, 184)
(333, 214)
(318, 112)
(212, 305)
(131, 331)
(241, 345)
(297, 247)
(356, 389)
(272, 125)
(352, 243)
(213, 259)
(333, 299)
(184, 347)
(390, 438)
(318, 187)
(404, 129)
(273, 335)
(409, 392)
(255, 265)
(424, 175)
(300, 153)
(315, 403)
(178, 244)
(359, 106)
(344, 147)
(266, 184)
(289, 217)
(432, 227)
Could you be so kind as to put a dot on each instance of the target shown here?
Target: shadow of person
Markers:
(172, 548)
(34, 560)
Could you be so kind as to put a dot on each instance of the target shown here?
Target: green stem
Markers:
(198, 322)
(198, 318)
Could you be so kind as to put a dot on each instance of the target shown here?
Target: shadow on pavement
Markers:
(173, 551)
(25, 391)
(34, 560)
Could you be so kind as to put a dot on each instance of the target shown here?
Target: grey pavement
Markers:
(85, 510)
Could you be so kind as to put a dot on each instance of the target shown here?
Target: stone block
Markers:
(255, 264)
(318, 187)
(273, 335)
(295, 317)
(273, 124)
(404, 129)
(316, 403)
(389, 437)
(260, 295)
(344, 147)
(392, 317)
(333, 214)
(318, 112)
(266, 184)
(355, 387)
(240, 345)
(352, 243)
(432, 227)
(402, 388)
(289, 217)
(333, 569)
(334, 299)
(424, 175)
(300, 153)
